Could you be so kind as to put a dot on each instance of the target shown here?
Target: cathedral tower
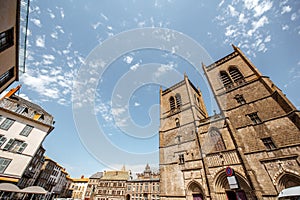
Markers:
(181, 109)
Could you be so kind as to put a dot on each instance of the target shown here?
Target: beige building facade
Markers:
(248, 151)
(144, 187)
(9, 42)
(23, 128)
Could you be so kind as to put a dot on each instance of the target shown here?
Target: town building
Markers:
(144, 187)
(78, 187)
(112, 185)
(23, 128)
(94, 180)
(60, 175)
(32, 171)
(9, 42)
(248, 151)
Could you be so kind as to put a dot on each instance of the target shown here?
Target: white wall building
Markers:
(23, 128)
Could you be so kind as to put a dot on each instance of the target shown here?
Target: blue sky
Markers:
(63, 35)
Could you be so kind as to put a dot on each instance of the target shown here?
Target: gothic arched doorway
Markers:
(288, 180)
(221, 186)
(194, 191)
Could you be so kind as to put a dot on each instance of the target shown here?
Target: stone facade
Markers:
(256, 134)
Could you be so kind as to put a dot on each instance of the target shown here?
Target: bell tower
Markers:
(264, 124)
(181, 109)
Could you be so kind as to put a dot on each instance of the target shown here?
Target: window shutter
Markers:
(2, 140)
(9, 143)
(22, 147)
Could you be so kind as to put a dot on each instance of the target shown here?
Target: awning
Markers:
(34, 190)
(288, 192)
(9, 187)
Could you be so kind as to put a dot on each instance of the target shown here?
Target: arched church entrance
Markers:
(288, 180)
(128, 197)
(223, 191)
(194, 191)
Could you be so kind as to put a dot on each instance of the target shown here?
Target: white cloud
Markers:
(262, 8)
(163, 69)
(128, 59)
(221, 3)
(104, 17)
(36, 22)
(285, 27)
(40, 41)
(250, 4)
(52, 15)
(294, 16)
(286, 9)
(62, 14)
(242, 19)
(117, 111)
(54, 35)
(232, 11)
(258, 24)
(135, 66)
(48, 57)
(229, 30)
(136, 104)
(95, 26)
(268, 38)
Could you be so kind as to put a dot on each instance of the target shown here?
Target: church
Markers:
(250, 150)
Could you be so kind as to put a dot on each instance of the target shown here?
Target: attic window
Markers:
(21, 109)
(38, 116)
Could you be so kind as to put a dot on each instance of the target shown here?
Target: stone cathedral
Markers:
(251, 150)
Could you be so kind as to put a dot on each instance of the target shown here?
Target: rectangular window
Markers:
(254, 118)
(6, 39)
(4, 78)
(6, 124)
(2, 140)
(26, 130)
(4, 162)
(15, 146)
(268, 142)
(181, 159)
(240, 99)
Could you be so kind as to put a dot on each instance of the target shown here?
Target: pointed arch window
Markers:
(236, 75)
(178, 100)
(227, 82)
(172, 103)
(216, 140)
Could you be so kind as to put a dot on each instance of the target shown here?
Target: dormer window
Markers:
(21, 109)
(38, 116)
